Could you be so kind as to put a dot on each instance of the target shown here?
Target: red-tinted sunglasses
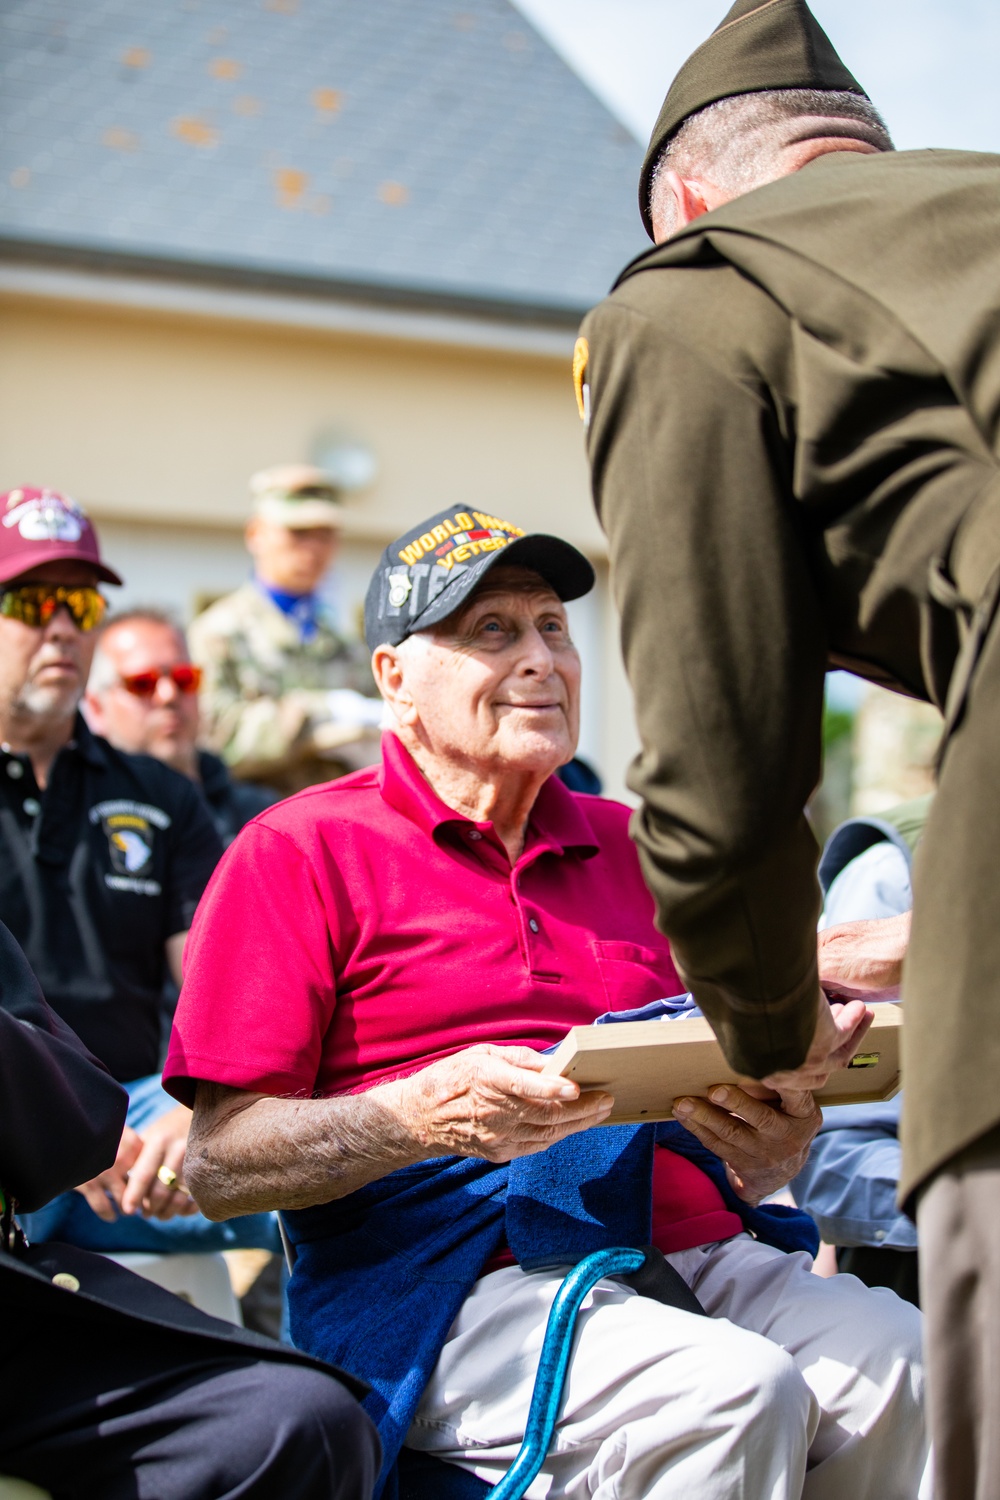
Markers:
(185, 677)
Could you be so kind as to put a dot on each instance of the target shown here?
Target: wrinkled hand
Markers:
(840, 1030)
(104, 1193)
(764, 1141)
(163, 1145)
(493, 1102)
(864, 959)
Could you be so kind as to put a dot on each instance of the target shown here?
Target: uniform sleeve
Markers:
(259, 982)
(195, 850)
(257, 728)
(725, 651)
(61, 1112)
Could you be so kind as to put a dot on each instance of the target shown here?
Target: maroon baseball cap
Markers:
(42, 526)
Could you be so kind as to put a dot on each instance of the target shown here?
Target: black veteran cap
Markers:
(424, 576)
(777, 45)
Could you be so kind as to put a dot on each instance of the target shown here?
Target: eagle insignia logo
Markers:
(130, 842)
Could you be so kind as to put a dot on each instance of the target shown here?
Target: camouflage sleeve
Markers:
(264, 720)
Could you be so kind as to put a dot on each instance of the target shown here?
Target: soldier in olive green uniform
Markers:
(794, 433)
(285, 699)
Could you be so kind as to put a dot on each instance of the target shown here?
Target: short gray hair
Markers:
(103, 672)
(735, 143)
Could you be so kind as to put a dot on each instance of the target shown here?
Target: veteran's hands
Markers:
(493, 1102)
(763, 1141)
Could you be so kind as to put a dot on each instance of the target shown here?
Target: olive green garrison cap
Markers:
(777, 45)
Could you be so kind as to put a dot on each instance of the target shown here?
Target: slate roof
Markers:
(435, 149)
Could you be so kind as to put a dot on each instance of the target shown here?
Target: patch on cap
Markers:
(426, 574)
(44, 516)
(39, 526)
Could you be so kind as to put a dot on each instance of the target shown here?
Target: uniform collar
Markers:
(558, 820)
(304, 609)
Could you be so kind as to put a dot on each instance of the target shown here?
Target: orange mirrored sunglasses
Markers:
(36, 603)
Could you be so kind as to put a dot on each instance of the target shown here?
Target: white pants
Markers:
(794, 1386)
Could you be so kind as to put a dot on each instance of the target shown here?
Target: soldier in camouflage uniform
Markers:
(286, 700)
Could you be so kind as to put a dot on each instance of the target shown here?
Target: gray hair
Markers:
(103, 672)
(736, 143)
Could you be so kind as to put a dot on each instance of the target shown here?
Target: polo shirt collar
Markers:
(558, 818)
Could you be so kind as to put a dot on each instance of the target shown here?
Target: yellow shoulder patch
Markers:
(581, 354)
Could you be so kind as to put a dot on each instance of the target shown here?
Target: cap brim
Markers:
(300, 515)
(27, 561)
(560, 564)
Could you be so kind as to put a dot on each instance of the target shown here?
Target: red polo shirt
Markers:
(363, 929)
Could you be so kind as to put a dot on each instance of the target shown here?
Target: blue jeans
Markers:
(70, 1218)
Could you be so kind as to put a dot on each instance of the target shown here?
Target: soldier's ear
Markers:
(691, 198)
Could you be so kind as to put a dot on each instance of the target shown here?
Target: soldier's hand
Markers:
(104, 1193)
(840, 1030)
(492, 1102)
(864, 959)
(764, 1141)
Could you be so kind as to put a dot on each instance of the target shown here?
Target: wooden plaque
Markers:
(646, 1065)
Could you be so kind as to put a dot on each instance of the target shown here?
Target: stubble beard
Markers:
(37, 706)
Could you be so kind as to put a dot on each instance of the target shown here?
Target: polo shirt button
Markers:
(32, 806)
(15, 770)
(66, 1280)
(532, 924)
(474, 833)
(880, 1234)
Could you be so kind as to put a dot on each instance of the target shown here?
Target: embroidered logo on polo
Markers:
(45, 518)
(130, 831)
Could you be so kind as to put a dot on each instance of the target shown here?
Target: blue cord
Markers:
(553, 1362)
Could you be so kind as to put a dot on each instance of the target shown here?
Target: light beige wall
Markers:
(155, 422)
(165, 418)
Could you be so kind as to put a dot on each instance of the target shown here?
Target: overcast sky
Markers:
(930, 65)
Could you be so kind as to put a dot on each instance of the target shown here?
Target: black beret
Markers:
(777, 45)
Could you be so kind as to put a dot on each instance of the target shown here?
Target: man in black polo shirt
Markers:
(103, 859)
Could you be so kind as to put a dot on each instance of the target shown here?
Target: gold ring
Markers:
(167, 1176)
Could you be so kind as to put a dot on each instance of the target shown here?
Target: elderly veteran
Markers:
(371, 978)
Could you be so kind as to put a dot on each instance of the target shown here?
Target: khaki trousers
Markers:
(793, 1388)
(959, 1224)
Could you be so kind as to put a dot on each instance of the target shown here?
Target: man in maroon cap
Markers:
(103, 859)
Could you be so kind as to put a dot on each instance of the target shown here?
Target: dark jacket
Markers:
(61, 1118)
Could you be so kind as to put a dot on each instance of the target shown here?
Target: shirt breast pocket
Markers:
(634, 975)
